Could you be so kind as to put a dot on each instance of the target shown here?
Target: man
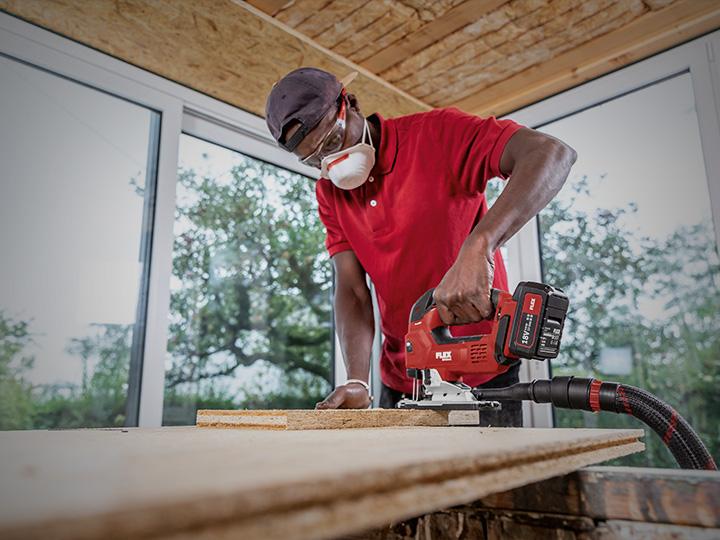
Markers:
(402, 200)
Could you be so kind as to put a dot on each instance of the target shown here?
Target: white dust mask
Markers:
(349, 168)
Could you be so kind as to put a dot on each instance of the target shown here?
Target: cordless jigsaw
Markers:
(526, 325)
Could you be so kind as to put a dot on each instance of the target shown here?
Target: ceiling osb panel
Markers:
(358, 30)
(535, 36)
(654, 31)
(490, 56)
(226, 49)
(484, 56)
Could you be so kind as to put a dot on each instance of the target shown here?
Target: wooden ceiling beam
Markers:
(650, 34)
(271, 7)
(455, 19)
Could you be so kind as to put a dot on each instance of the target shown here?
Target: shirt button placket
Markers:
(373, 203)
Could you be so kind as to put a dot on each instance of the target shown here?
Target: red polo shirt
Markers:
(406, 224)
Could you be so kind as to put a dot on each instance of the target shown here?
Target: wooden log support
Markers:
(597, 503)
(677, 497)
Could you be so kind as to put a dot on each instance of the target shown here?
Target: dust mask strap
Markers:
(350, 168)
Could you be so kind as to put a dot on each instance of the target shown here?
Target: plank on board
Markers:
(332, 418)
(270, 484)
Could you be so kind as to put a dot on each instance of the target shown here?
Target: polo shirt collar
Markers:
(388, 146)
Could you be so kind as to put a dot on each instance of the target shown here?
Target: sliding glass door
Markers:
(77, 192)
(633, 238)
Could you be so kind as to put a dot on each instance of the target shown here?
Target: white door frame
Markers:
(698, 57)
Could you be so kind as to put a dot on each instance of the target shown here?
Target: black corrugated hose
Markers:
(594, 395)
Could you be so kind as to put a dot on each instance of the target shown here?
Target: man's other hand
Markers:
(463, 295)
(347, 396)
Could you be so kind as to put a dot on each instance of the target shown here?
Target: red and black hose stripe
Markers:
(594, 395)
(671, 427)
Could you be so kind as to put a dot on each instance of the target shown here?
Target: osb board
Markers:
(223, 48)
(507, 42)
(321, 419)
(489, 56)
(216, 483)
(361, 34)
(483, 56)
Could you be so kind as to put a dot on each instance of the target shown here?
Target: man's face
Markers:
(354, 124)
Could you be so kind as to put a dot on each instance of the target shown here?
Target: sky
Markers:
(642, 148)
(647, 144)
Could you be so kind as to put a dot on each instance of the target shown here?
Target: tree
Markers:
(16, 402)
(100, 400)
(252, 284)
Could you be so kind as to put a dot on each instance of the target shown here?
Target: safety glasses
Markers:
(332, 141)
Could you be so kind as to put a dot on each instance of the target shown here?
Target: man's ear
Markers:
(353, 101)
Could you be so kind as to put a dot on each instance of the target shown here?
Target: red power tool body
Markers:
(526, 324)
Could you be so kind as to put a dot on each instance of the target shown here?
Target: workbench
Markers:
(259, 483)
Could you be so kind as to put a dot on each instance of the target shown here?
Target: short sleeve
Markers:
(335, 240)
(473, 147)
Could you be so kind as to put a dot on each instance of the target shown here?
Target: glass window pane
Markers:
(72, 205)
(250, 314)
(631, 239)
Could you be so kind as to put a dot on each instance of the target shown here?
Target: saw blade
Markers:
(449, 405)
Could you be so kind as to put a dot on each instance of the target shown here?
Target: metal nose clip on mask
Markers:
(350, 168)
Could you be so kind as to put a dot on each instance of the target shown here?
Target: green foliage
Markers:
(16, 403)
(98, 402)
(609, 272)
(101, 398)
(252, 284)
(179, 408)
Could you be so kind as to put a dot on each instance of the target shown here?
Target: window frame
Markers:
(699, 58)
(181, 110)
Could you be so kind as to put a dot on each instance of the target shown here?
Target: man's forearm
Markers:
(536, 178)
(356, 328)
